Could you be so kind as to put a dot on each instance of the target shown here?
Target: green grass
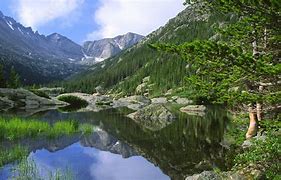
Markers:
(15, 128)
(16, 153)
(73, 100)
(12, 129)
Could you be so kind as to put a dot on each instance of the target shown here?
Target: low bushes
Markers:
(73, 100)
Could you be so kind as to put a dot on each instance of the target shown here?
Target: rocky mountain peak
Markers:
(102, 49)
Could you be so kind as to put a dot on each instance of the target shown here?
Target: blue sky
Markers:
(82, 20)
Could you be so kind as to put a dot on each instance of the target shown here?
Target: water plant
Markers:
(28, 169)
(16, 153)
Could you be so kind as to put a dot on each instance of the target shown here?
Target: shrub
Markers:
(73, 100)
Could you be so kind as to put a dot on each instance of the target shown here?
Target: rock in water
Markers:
(153, 117)
(193, 108)
(132, 102)
(208, 175)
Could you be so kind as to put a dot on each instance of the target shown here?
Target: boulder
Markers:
(52, 92)
(174, 98)
(153, 117)
(160, 100)
(132, 102)
(193, 108)
(183, 101)
(99, 90)
(205, 175)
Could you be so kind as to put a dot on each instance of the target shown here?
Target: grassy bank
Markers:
(16, 128)
(12, 129)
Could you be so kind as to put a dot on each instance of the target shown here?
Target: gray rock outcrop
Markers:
(10, 98)
(153, 117)
(193, 108)
(132, 102)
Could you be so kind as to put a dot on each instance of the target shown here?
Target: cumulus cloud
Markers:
(117, 17)
(36, 13)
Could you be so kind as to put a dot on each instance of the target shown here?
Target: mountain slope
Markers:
(43, 59)
(37, 58)
(99, 50)
(125, 72)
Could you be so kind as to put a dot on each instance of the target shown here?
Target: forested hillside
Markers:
(125, 72)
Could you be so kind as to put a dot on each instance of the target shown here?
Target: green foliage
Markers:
(14, 79)
(73, 100)
(265, 152)
(217, 67)
(232, 69)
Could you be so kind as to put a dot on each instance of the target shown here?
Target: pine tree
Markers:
(233, 69)
(14, 80)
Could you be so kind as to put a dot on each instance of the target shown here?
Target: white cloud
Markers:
(36, 13)
(117, 17)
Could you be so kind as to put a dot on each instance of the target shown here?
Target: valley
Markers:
(197, 98)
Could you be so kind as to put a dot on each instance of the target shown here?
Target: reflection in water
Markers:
(90, 163)
(189, 145)
(116, 150)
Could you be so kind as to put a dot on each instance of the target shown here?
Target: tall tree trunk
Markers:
(253, 126)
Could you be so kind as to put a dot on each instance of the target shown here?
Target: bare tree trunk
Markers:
(253, 126)
(255, 51)
(259, 106)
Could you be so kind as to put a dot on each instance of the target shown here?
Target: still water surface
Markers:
(121, 149)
